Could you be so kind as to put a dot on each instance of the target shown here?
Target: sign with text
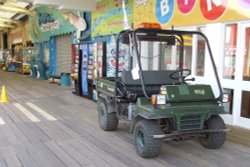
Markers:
(189, 12)
(50, 21)
(109, 17)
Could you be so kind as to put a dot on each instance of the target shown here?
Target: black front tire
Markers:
(107, 121)
(146, 146)
(216, 139)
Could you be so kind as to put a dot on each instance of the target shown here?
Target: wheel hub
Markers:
(140, 139)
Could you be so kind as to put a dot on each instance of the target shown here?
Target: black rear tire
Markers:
(107, 121)
(213, 140)
(146, 146)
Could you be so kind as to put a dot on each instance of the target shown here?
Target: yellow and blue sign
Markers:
(164, 10)
(189, 12)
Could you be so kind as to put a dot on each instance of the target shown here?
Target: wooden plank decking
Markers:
(45, 125)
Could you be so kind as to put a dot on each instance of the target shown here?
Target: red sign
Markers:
(185, 6)
(213, 9)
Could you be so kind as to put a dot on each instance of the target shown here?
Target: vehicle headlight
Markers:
(158, 99)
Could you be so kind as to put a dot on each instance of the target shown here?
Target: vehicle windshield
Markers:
(166, 54)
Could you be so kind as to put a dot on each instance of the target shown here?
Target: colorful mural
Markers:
(111, 55)
(108, 17)
(189, 12)
(50, 21)
(76, 20)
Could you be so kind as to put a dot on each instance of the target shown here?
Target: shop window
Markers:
(151, 53)
(246, 66)
(171, 55)
(187, 57)
(229, 106)
(148, 58)
(200, 61)
(169, 60)
(245, 105)
(230, 51)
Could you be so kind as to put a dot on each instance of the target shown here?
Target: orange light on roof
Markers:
(150, 25)
(156, 25)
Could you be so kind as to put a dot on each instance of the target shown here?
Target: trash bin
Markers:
(65, 79)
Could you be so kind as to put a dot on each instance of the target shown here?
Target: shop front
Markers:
(54, 31)
(225, 23)
(22, 50)
(236, 77)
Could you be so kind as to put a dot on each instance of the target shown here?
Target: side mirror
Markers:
(226, 98)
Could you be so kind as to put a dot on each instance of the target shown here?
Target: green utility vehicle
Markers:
(160, 102)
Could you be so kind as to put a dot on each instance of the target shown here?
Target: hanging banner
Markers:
(50, 21)
(108, 17)
(189, 12)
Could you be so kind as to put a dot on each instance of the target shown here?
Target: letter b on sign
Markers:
(164, 10)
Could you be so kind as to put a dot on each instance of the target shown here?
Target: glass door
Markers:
(228, 71)
(243, 114)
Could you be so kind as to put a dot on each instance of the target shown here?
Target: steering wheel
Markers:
(180, 74)
(121, 88)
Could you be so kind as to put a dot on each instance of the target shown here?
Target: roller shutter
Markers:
(63, 54)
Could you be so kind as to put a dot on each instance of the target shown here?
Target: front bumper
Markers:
(189, 133)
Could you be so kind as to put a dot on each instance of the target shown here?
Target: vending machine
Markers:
(88, 63)
(75, 72)
(84, 70)
(99, 64)
(87, 70)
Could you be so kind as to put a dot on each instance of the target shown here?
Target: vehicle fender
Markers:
(108, 102)
(146, 116)
(215, 113)
(133, 122)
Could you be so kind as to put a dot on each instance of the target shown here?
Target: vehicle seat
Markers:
(153, 80)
